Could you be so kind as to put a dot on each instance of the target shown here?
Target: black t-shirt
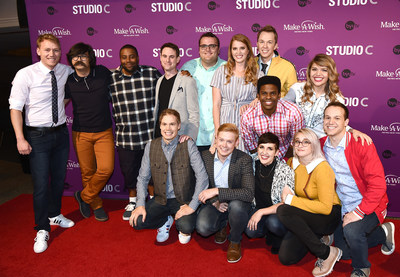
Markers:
(263, 181)
(90, 97)
(163, 100)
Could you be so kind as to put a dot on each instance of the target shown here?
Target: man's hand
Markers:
(349, 218)
(184, 210)
(24, 148)
(184, 138)
(221, 207)
(186, 73)
(255, 218)
(364, 137)
(207, 194)
(139, 211)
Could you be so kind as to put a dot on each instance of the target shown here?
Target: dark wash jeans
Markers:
(48, 161)
(210, 220)
(356, 237)
(157, 215)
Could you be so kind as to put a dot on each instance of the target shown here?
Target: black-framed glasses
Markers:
(205, 46)
(303, 143)
(82, 57)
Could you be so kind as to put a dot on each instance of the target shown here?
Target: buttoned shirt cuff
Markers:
(357, 212)
(288, 199)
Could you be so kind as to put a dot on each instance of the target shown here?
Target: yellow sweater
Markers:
(320, 189)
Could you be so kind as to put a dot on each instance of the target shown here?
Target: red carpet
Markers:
(113, 248)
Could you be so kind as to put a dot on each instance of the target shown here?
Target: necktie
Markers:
(54, 97)
(264, 67)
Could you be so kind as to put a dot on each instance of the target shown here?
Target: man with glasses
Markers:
(92, 135)
(39, 90)
(271, 114)
(202, 69)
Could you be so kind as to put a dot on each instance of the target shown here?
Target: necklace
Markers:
(269, 173)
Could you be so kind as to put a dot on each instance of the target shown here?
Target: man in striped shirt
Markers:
(271, 114)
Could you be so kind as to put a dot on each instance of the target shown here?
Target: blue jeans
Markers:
(48, 161)
(269, 225)
(210, 220)
(157, 215)
(356, 237)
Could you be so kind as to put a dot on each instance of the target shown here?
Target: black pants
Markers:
(305, 232)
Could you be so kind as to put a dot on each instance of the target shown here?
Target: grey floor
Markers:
(14, 54)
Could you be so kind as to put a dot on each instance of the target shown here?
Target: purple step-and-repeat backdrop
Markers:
(363, 36)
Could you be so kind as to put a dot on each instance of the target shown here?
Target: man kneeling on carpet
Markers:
(179, 176)
(230, 194)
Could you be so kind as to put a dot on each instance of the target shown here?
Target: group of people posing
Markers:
(220, 147)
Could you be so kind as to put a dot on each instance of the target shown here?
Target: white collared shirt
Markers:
(32, 89)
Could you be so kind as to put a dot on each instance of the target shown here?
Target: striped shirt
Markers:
(133, 105)
(284, 122)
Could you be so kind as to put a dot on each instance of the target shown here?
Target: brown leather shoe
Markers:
(234, 252)
(220, 236)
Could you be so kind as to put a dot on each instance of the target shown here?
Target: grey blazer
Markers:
(240, 177)
(183, 99)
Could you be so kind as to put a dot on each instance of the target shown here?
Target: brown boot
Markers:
(325, 267)
(220, 236)
(234, 253)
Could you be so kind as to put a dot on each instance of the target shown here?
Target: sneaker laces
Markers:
(130, 207)
(319, 263)
(41, 236)
(164, 227)
(358, 272)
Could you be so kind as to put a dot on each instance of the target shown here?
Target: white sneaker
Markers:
(163, 231)
(184, 238)
(61, 221)
(389, 246)
(41, 239)
(128, 210)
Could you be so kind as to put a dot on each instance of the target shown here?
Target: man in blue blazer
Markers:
(178, 92)
(230, 193)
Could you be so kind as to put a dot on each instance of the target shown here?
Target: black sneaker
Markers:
(128, 210)
(100, 214)
(83, 206)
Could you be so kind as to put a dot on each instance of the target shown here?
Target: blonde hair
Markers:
(49, 37)
(229, 127)
(250, 74)
(315, 143)
(332, 89)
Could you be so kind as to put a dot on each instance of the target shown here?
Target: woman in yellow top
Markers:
(313, 209)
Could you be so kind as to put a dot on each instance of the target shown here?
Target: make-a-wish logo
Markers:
(347, 73)
(131, 31)
(350, 25)
(129, 8)
(388, 75)
(301, 51)
(302, 74)
(392, 129)
(212, 5)
(72, 165)
(307, 26)
(303, 3)
(51, 10)
(392, 180)
(216, 28)
(170, 30)
(394, 25)
(393, 102)
(387, 154)
(59, 32)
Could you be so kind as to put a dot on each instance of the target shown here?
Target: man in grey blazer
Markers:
(230, 193)
(178, 92)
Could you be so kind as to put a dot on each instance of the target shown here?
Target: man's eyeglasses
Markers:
(82, 57)
(304, 143)
(205, 46)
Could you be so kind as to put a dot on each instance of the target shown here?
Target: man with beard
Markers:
(92, 135)
(133, 94)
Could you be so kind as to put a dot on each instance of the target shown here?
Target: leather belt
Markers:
(46, 129)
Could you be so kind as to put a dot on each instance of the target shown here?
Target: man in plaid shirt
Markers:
(270, 114)
(133, 94)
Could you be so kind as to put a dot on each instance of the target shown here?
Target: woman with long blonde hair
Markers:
(317, 92)
(234, 85)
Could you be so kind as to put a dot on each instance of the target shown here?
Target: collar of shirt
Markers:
(268, 63)
(343, 142)
(310, 167)
(279, 109)
(45, 70)
(174, 142)
(91, 74)
(122, 75)
(212, 68)
(228, 159)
